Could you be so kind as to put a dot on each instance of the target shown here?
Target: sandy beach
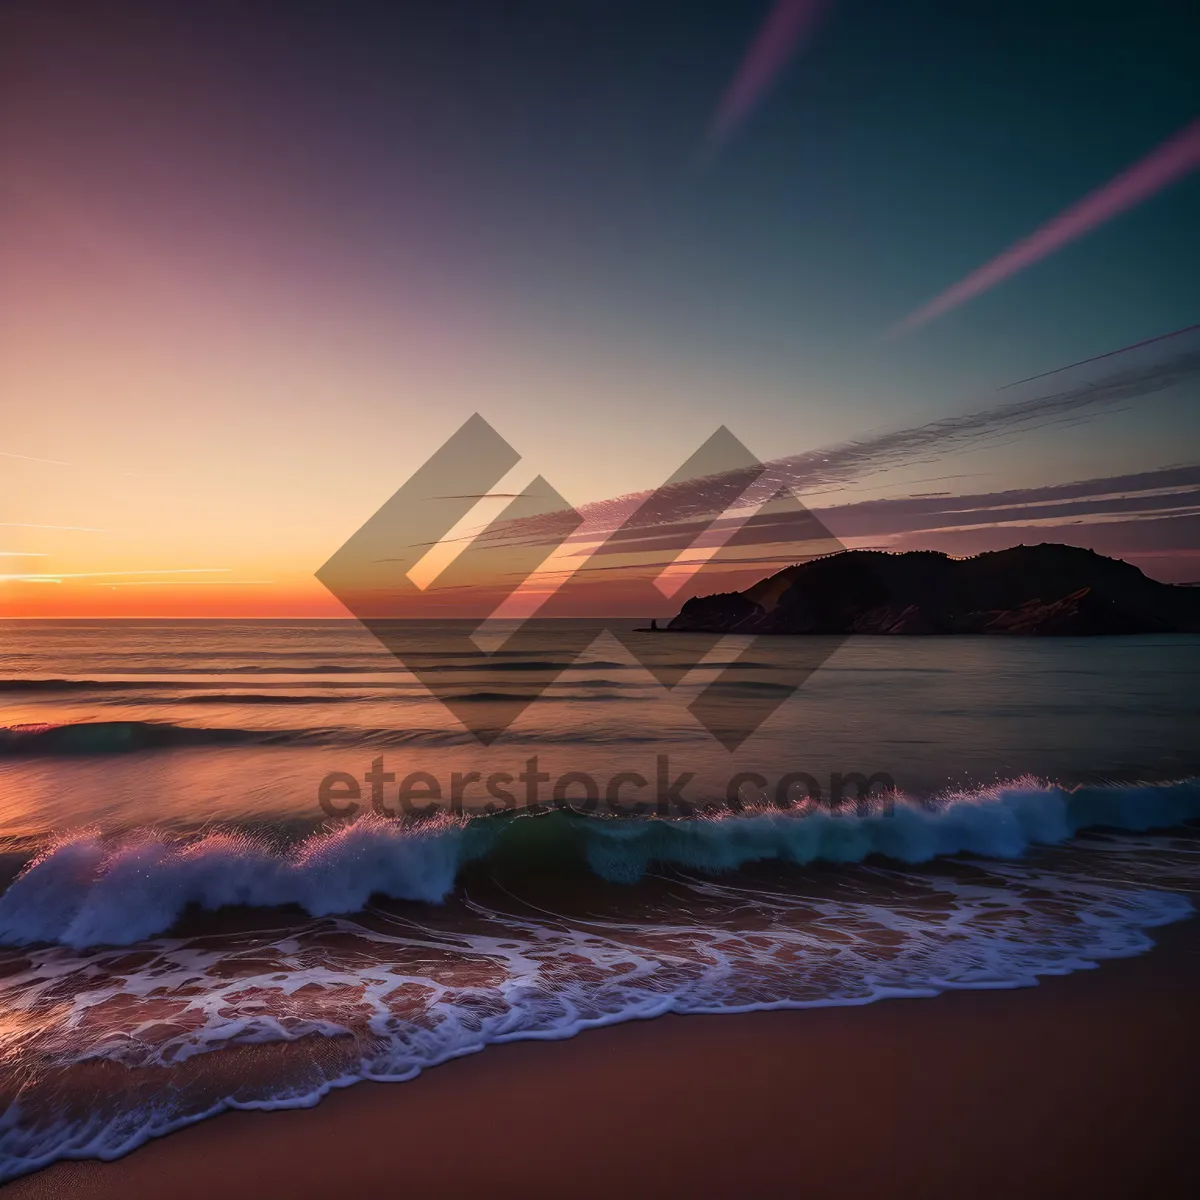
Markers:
(1084, 1085)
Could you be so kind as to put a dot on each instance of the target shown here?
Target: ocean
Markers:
(245, 862)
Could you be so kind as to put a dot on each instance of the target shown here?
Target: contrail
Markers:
(1171, 161)
(787, 25)
(1162, 337)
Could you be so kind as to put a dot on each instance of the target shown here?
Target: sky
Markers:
(259, 261)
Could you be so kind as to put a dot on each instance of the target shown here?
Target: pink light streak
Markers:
(1171, 161)
(787, 25)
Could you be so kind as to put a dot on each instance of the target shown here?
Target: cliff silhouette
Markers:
(1048, 590)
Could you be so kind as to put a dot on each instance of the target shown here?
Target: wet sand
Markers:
(1087, 1085)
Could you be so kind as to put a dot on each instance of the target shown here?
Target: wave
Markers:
(72, 685)
(483, 668)
(179, 685)
(355, 697)
(262, 698)
(200, 686)
(86, 890)
(123, 737)
(114, 737)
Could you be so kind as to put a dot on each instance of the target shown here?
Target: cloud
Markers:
(832, 467)
(1176, 157)
(787, 26)
(1083, 362)
(54, 462)
(1145, 495)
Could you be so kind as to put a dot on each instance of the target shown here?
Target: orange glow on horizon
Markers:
(70, 600)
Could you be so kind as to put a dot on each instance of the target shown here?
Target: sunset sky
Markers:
(259, 261)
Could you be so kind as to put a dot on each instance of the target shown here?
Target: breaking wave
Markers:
(88, 890)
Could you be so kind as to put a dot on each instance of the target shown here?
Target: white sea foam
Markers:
(402, 996)
(85, 891)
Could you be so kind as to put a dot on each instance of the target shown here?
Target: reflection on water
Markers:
(246, 718)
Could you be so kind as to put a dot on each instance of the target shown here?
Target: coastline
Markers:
(1085, 1084)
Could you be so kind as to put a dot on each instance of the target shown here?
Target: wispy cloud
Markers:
(54, 462)
(1145, 495)
(1149, 517)
(1175, 158)
(835, 467)
(1083, 362)
(37, 576)
(788, 25)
